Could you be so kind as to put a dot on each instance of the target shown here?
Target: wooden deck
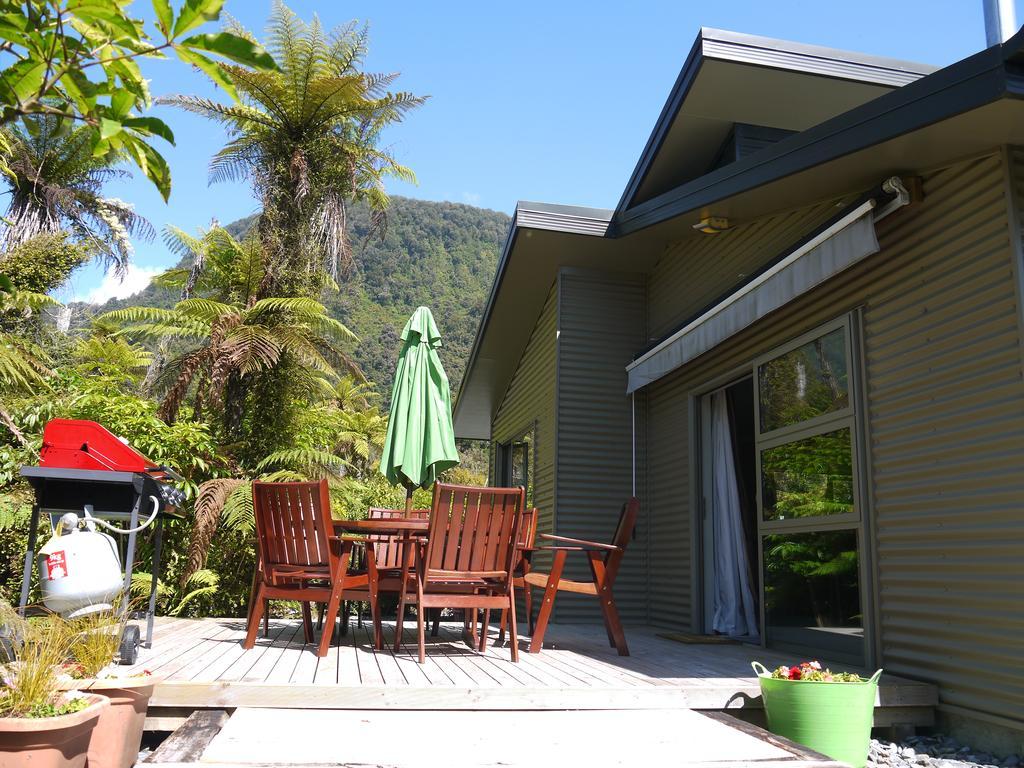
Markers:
(202, 664)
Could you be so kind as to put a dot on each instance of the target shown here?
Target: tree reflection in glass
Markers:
(810, 477)
(808, 381)
(520, 473)
(811, 591)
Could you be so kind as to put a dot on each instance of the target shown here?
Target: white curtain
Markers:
(734, 598)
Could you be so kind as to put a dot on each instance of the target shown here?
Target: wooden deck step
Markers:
(463, 739)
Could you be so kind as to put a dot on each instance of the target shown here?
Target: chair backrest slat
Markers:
(472, 526)
(527, 535)
(387, 548)
(528, 530)
(623, 532)
(453, 530)
(293, 523)
(471, 516)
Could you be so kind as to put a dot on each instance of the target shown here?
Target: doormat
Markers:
(691, 639)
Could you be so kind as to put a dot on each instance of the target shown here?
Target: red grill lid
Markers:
(79, 444)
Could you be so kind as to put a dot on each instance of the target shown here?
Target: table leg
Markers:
(406, 557)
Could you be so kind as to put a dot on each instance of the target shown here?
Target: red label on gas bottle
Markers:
(56, 565)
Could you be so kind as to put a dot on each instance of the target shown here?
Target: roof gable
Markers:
(731, 78)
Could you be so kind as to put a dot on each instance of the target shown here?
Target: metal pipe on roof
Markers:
(1000, 21)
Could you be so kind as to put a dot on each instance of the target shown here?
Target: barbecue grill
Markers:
(84, 467)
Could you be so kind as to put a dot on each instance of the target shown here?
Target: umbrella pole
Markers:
(408, 500)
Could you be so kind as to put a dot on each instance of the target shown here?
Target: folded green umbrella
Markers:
(420, 442)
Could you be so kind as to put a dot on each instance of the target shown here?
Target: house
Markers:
(798, 340)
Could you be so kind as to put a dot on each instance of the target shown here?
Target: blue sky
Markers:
(549, 101)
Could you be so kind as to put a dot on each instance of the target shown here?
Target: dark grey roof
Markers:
(973, 82)
(765, 53)
(562, 218)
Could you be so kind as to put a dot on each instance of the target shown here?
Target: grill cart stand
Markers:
(85, 469)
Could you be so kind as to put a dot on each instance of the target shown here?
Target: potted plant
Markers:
(41, 726)
(830, 712)
(93, 643)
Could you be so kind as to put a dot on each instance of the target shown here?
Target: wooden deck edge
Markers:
(183, 695)
(797, 750)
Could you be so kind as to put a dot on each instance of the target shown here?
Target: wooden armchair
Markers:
(467, 559)
(300, 556)
(604, 561)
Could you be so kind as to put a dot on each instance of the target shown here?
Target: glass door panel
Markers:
(812, 594)
(808, 477)
(810, 516)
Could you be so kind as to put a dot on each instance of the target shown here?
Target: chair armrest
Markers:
(579, 543)
(561, 549)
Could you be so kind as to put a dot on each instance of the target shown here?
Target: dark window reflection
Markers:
(809, 381)
(811, 477)
(519, 465)
(811, 594)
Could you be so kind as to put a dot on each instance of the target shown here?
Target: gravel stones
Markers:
(934, 751)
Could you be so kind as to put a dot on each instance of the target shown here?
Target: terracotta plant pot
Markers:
(116, 738)
(50, 742)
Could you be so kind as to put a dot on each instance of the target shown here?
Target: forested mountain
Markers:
(440, 255)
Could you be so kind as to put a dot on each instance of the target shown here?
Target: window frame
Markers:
(855, 418)
(845, 418)
(504, 460)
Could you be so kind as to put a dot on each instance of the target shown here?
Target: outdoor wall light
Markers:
(712, 225)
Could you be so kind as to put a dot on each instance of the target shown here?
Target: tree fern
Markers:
(307, 138)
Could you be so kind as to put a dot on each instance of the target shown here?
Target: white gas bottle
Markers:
(79, 570)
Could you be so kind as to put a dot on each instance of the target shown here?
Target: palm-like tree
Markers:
(55, 184)
(23, 367)
(307, 137)
(230, 340)
(215, 265)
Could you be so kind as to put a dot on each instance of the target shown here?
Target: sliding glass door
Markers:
(810, 510)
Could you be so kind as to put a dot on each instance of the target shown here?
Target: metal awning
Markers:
(838, 247)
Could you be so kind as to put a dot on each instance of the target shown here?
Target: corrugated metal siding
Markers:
(697, 271)
(601, 325)
(530, 399)
(946, 429)
(947, 439)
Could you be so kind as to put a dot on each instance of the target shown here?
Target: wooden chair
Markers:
(384, 560)
(467, 559)
(525, 548)
(300, 556)
(604, 561)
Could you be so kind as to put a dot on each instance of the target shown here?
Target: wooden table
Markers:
(402, 526)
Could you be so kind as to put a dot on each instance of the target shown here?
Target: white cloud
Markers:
(473, 198)
(114, 287)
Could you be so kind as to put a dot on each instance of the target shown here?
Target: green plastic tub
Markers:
(831, 718)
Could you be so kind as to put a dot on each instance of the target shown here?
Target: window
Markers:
(808, 498)
(518, 462)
